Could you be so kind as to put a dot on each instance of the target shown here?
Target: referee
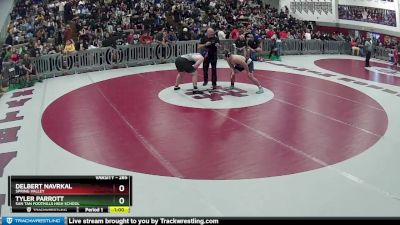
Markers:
(210, 43)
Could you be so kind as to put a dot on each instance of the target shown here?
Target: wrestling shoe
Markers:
(260, 91)
(196, 91)
(230, 87)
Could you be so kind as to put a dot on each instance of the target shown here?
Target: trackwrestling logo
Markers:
(33, 220)
(243, 95)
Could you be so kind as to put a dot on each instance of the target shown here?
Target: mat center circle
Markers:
(243, 95)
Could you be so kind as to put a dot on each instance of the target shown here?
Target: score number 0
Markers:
(121, 200)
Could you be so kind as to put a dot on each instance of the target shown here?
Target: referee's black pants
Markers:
(367, 58)
(206, 65)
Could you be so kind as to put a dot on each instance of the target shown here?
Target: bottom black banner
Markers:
(196, 220)
(139, 221)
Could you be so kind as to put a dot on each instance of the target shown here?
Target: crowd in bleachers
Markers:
(367, 14)
(41, 27)
(53, 26)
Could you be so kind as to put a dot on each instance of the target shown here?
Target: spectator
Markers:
(290, 36)
(240, 46)
(354, 47)
(162, 39)
(9, 39)
(283, 34)
(61, 6)
(221, 35)
(270, 33)
(130, 38)
(38, 46)
(67, 33)
(360, 45)
(307, 35)
(146, 38)
(1, 74)
(109, 41)
(254, 48)
(161, 36)
(276, 47)
(28, 71)
(172, 36)
(68, 15)
(395, 56)
(136, 38)
(14, 56)
(185, 35)
(51, 49)
(235, 34)
(93, 45)
(69, 47)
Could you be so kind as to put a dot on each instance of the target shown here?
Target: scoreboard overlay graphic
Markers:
(75, 194)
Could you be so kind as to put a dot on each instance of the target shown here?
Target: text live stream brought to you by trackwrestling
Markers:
(105, 220)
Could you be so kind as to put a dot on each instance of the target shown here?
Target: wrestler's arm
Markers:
(244, 65)
(233, 71)
(199, 60)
